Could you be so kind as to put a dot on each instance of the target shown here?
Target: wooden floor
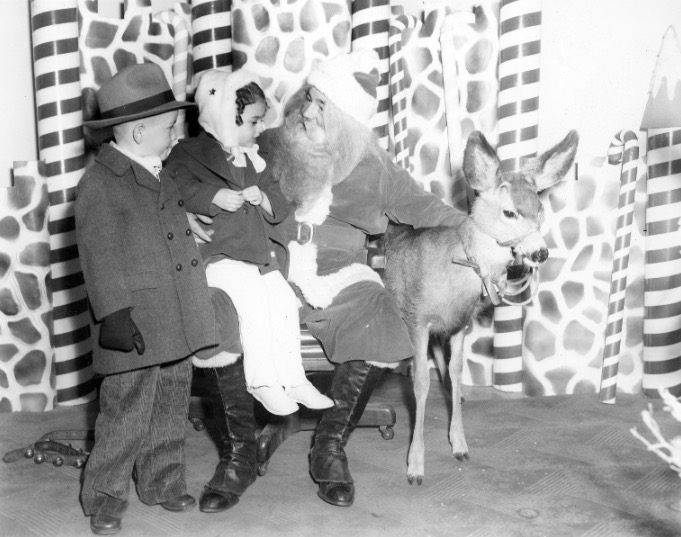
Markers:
(550, 466)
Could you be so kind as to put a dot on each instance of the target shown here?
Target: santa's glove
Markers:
(120, 333)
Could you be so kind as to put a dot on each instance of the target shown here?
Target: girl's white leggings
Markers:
(269, 323)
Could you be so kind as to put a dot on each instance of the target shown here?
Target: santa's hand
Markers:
(253, 195)
(201, 235)
(228, 200)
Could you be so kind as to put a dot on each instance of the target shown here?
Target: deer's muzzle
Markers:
(539, 256)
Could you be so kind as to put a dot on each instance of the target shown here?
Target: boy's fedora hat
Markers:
(135, 92)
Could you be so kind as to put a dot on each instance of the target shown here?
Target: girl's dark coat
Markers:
(199, 167)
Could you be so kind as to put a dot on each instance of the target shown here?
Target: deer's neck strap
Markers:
(488, 287)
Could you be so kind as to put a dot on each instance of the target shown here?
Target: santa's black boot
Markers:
(236, 470)
(351, 388)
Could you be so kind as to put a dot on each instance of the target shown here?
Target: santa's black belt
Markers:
(348, 238)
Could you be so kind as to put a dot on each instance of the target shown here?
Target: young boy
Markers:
(149, 300)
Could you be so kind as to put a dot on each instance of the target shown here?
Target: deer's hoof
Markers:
(461, 455)
(418, 478)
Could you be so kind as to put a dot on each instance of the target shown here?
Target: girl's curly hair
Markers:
(248, 94)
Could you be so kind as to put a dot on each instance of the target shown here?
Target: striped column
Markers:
(370, 29)
(662, 269)
(517, 127)
(398, 92)
(56, 65)
(180, 61)
(211, 36)
(519, 62)
(452, 29)
(624, 150)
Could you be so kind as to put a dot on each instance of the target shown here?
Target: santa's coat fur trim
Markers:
(319, 291)
(221, 359)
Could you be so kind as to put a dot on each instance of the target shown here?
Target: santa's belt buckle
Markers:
(305, 233)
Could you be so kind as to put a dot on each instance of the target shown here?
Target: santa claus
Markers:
(344, 187)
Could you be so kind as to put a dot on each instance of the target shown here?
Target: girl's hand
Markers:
(253, 195)
(228, 200)
(201, 235)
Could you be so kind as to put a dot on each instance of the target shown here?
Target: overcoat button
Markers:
(178, 267)
(194, 262)
(181, 203)
(170, 236)
(188, 232)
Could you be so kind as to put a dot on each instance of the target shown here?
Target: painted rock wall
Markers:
(27, 377)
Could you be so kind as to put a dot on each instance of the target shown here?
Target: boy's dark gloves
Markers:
(120, 333)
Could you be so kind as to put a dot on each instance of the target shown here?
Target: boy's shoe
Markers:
(308, 395)
(185, 502)
(275, 400)
(105, 524)
(212, 501)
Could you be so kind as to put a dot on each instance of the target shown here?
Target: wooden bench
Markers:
(277, 428)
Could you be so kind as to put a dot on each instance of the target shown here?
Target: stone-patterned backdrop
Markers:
(27, 377)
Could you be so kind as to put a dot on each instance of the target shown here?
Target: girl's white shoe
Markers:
(309, 396)
(275, 400)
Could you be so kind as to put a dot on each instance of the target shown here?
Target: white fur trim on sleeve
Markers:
(221, 359)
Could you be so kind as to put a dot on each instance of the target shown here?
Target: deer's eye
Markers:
(510, 214)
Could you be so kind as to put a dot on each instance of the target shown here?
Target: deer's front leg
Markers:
(456, 435)
(416, 459)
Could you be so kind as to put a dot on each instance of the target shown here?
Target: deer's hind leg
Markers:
(456, 435)
(421, 378)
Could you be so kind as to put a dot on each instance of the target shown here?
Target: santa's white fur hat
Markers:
(216, 98)
(349, 81)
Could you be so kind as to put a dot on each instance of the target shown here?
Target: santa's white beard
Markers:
(304, 169)
(306, 173)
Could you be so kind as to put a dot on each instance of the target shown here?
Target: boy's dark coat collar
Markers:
(119, 164)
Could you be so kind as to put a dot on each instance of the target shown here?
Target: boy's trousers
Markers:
(142, 423)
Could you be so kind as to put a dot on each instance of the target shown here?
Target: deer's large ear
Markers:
(552, 165)
(480, 162)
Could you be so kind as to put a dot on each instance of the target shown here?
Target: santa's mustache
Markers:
(295, 120)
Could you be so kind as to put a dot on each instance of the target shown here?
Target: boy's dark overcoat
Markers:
(199, 167)
(137, 251)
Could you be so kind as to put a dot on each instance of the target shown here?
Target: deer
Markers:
(441, 276)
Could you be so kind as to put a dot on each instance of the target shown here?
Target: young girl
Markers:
(220, 174)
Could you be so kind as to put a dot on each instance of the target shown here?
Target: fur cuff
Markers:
(221, 359)
(319, 291)
(384, 365)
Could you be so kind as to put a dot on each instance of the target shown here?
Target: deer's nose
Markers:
(539, 256)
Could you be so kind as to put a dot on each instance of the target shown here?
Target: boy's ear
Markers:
(138, 133)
